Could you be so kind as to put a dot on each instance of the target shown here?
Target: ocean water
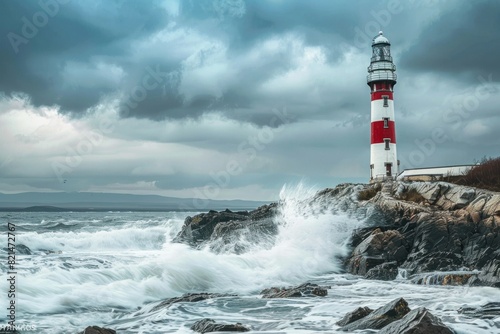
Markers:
(111, 269)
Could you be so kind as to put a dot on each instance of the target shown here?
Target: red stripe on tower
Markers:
(382, 130)
(381, 79)
(379, 95)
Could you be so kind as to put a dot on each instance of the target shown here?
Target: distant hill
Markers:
(88, 201)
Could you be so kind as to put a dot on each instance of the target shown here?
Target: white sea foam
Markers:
(147, 266)
(119, 239)
(101, 272)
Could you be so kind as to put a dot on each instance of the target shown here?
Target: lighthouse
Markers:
(381, 79)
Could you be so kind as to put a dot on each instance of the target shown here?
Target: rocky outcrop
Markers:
(387, 271)
(379, 247)
(486, 311)
(394, 318)
(445, 228)
(381, 317)
(304, 290)
(445, 278)
(220, 228)
(188, 298)
(238, 236)
(418, 321)
(23, 249)
(209, 325)
(357, 314)
(199, 228)
(456, 228)
(97, 330)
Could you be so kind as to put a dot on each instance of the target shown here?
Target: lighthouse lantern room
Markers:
(381, 79)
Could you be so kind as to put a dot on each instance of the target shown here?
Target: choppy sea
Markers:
(111, 268)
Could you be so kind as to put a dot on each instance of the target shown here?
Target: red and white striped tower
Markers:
(381, 79)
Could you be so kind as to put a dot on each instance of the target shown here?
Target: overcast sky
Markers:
(229, 99)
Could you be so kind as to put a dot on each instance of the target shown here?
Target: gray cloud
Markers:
(464, 40)
(82, 33)
(222, 70)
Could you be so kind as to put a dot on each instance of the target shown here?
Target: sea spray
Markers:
(311, 232)
(128, 266)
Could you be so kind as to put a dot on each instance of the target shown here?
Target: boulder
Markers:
(486, 311)
(209, 325)
(386, 272)
(379, 247)
(444, 278)
(23, 249)
(304, 290)
(188, 298)
(264, 212)
(490, 275)
(418, 321)
(357, 314)
(97, 330)
(200, 228)
(240, 236)
(381, 317)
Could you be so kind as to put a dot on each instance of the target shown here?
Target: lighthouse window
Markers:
(386, 100)
(387, 142)
(386, 122)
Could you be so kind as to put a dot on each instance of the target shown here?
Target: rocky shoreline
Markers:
(452, 232)
(442, 234)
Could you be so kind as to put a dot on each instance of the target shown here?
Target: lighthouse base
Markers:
(382, 179)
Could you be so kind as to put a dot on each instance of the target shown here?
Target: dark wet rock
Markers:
(490, 274)
(20, 249)
(387, 271)
(360, 265)
(23, 249)
(239, 236)
(97, 330)
(200, 228)
(361, 234)
(381, 317)
(418, 321)
(49, 251)
(357, 314)
(189, 298)
(486, 311)
(379, 247)
(264, 212)
(304, 290)
(209, 325)
(444, 278)
(437, 244)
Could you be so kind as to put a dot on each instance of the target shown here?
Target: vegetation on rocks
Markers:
(485, 175)
(370, 192)
(412, 195)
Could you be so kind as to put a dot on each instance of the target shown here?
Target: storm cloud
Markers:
(171, 92)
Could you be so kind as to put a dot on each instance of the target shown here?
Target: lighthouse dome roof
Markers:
(380, 39)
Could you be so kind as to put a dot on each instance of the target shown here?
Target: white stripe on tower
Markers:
(381, 79)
